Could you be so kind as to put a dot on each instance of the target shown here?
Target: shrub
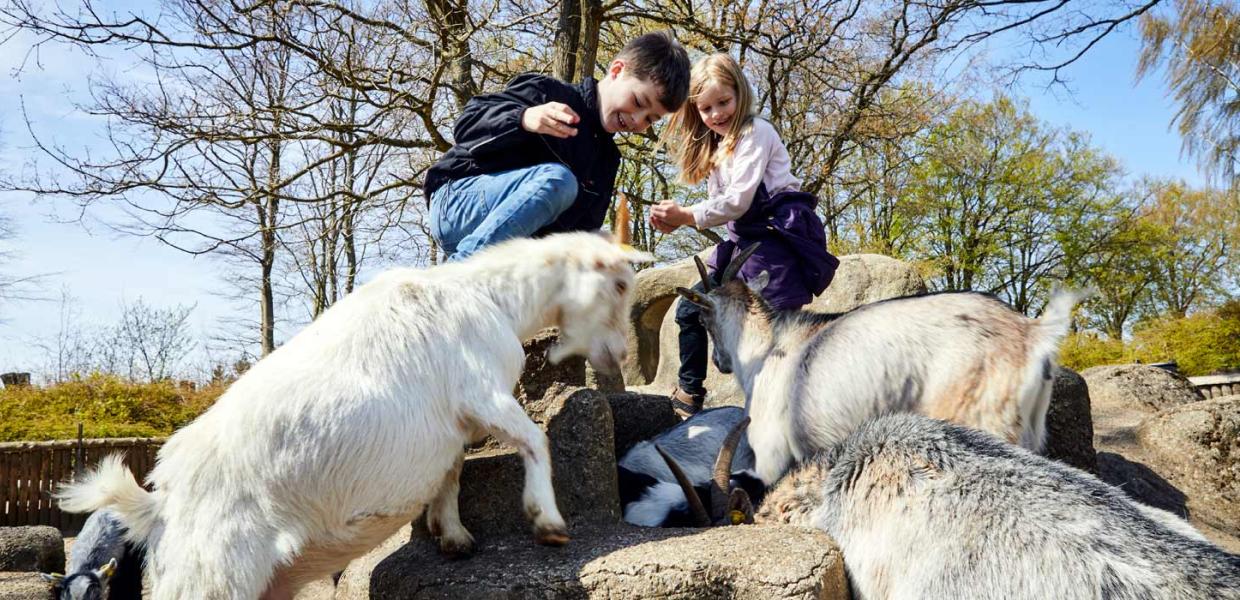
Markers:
(1083, 350)
(106, 405)
(1202, 343)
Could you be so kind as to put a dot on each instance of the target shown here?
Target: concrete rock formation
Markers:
(612, 561)
(31, 549)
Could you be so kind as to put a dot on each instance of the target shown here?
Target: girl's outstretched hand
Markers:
(670, 215)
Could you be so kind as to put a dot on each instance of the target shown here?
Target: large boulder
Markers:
(653, 293)
(1069, 428)
(860, 279)
(1137, 387)
(24, 586)
(639, 417)
(865, 278)
(38, 548)
(1197, 447)
(653, 345)
(612, 561)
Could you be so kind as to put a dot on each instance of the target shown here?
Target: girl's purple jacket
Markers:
(793, 251)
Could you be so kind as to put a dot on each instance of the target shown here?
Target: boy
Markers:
(538, 157)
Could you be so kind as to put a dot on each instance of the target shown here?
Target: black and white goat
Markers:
(923, 508)
(102, 564)
(649, 491)
(810, 379)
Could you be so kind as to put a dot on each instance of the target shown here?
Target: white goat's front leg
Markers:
(504, 418)
(443, 519)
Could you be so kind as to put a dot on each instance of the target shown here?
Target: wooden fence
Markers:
(30, 472)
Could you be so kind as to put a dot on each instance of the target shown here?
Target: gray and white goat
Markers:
(923, 508)
(102, 564)
(810, 379)
(649, 490)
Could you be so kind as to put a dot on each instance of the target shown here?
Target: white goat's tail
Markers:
(112, 485)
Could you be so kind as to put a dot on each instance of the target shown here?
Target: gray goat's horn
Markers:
(700, 517)
(721, 481)
(738, 261)
(701, 267)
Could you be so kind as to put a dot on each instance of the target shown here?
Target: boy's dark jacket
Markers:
(489, 139)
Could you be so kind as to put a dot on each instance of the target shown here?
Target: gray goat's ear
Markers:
(695, 297)
(52, 578)
(106, 571)
(759, 282)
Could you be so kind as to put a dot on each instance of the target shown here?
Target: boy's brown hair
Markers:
(658, 58)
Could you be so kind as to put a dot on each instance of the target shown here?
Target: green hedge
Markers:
(107, 406)
(1202, 343)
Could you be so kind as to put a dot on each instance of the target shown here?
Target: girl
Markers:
(750, 187)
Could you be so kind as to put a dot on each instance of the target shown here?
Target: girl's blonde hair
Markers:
(695, 147)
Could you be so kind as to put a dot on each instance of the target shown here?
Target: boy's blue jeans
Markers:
(474, 212)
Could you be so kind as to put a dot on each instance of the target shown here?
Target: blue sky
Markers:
(102, 269)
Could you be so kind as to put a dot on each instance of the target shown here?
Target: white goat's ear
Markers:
(52, 578)
(759, 282)
(636, 256)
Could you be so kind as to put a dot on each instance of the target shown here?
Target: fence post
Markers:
(79, 456)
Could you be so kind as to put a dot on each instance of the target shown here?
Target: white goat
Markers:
(358, 424)
(810, 379)
(922, 508)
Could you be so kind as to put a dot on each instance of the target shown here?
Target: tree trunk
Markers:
(591, 24)
(568, 39)
(450, 19)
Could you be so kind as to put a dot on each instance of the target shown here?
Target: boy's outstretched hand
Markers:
(552, 118)
(666, 216)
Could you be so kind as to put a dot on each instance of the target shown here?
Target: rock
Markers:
(1069, 428)
(1197, 447)
(1141, 387)
(539, 373)
(615, 561)
(323, 589)
(579, 430)
(860, 279)
(865, 278)
(31, 549)
(24, 586)
(653, 293)
(604, 382)
(639, 417)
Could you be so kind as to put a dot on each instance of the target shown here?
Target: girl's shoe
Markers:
(685, 404)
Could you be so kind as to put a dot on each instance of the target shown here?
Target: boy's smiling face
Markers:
(627, 103)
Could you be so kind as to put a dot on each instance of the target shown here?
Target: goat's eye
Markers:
(621, 287)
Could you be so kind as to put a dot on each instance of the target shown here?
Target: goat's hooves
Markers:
(456, 549)
(551, 537)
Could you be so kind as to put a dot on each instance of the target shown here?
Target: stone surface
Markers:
(865, 278)
(579, 432)
(1137, 386)
(27, 549)
(1069, 428)
(24, 586)
(323, 589)
(1196, 446)
(539, 373)
(860, 279)
(653, 293)
(639, 417)
(612, 561)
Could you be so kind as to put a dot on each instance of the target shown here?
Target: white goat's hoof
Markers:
(457, 547)
(551, 535)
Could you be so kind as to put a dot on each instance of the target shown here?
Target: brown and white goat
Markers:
(811, 379)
